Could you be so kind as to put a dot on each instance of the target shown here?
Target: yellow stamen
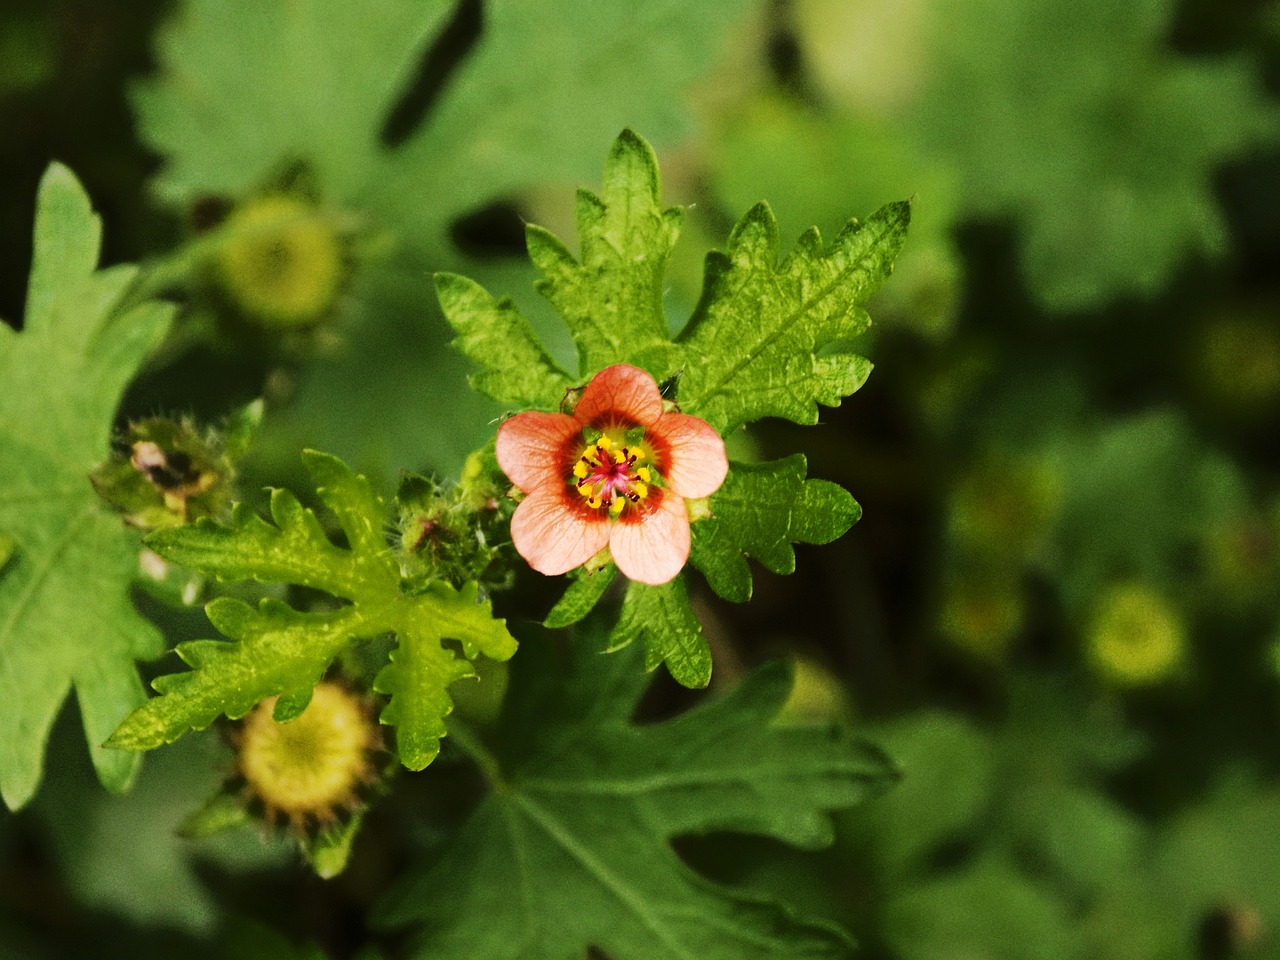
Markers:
(593, 501)
(580, 470)
(644, 474)
(616, 507)
(639, 489)
(585, 489)
(604, 443)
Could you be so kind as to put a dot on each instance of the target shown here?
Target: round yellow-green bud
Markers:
(1136, 638)
(282, 261)
(311, 768)
(817, 696)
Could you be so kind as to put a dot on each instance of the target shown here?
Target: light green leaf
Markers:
(516, 371)
(758, 512)
(66, 620)
(1018, 917)
(421, 670)
(574, 848)
(665, 624)
(761, 341)
(757, 345)
(279, 650)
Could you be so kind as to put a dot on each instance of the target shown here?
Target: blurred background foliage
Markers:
(1061, 611)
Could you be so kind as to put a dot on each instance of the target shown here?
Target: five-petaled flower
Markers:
(615, 474)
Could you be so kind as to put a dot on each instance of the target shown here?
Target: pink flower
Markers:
(615, 474)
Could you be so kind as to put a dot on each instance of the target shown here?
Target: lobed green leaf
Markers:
(757, 344)
(761, 509)
(66, 619)
(611, 296)
(585, 591)
(574, 848)
(515, 370)
(277, 650)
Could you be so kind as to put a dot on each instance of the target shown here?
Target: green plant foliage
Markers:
(756, 345)
(813, 168)
(583, 594)
(229, 114)
(94, 837)
(572, 848)
(1209, 871)
(1095, 139)
(1018, 919)
(1016, 817)
(766, 339)
(1107, 126)
(66, 619)
(518, 372)
(1104, 532)
(277, 649)
(760, 510)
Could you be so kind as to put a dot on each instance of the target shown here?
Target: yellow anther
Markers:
(619, 457)
(585, 489)
(644, 474)
(616, 506)
(604, 443)
(593, 501)
(639, 489)
(580, 470)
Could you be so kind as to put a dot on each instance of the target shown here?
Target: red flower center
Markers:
(610, 477)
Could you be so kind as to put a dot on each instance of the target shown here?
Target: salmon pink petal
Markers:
(654, 549)
(698, 464)
(530, 448)
(553, 536)
(620, 393)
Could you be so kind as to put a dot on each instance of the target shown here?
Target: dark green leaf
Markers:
(574, 848)
(585, 591)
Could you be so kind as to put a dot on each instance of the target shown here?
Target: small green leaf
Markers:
(422, 668)
(611, 297)
(516, 371)
(222, 811)
(760, 510)
(575, 850)
(662, 619)
(329, 852)
(757, 344)
(583, 594)
(279, 650)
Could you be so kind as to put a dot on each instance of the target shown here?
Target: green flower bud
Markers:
(1136, 638)
(283, 262)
